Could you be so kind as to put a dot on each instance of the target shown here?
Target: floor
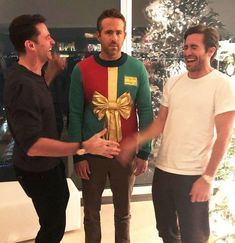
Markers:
(142, 225)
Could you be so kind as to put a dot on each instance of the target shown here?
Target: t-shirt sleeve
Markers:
(24, 109)
(225, 97)
(169, 85)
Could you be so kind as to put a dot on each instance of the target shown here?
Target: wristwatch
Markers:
(81, 150)
(208, 178)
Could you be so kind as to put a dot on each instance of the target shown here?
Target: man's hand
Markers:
(140, 166)
(128, 149)
(82, 169)
(201, 191)
(55, 66)
(97, 145)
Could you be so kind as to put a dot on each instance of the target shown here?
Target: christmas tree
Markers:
(161, 45)
(161, 51)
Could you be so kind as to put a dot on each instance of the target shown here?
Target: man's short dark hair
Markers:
(23, 28)
(110, 13)
(211, 36)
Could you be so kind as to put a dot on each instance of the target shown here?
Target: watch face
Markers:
(81, 151)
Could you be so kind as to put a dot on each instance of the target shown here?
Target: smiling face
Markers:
(43, 43)
(111, 37)
(197, 58)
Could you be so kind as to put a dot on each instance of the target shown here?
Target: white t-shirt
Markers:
(189, 131)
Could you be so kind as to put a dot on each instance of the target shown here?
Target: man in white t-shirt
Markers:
(196, 121)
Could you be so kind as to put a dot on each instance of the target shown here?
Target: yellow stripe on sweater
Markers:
(112, 83)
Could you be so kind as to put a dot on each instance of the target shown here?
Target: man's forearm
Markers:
(94, 145)
(155, 128)
(52, 148)
(153, 131)
(224, 129)
(218, 151)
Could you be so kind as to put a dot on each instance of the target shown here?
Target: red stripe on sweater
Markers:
(94, 77)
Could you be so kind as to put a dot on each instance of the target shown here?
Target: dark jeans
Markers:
(121, 183)
(49, 193)
(177, 217)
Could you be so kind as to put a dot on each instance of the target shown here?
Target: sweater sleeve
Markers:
(76, 110)
(76, 106)
(144, 110)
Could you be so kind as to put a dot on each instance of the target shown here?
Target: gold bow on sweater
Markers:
(112, 111)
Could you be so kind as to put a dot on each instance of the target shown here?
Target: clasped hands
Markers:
(123, 152)
(107, 148)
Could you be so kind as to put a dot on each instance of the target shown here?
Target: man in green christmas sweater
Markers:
(109, 89)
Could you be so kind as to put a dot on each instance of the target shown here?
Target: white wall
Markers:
(83, 13)
(59, 13)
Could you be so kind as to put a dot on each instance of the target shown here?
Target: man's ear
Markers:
(97, 33)
(29, 45)
(211, 51)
